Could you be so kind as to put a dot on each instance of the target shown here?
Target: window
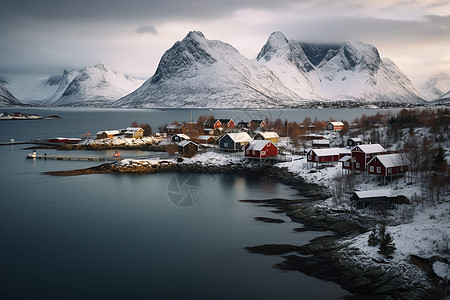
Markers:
(353, 158)
(309, 157)
(389, 170)
(357, 165)
(247, 151)
(254, 152)
(346, 164)
(378, 169)
(371, 169)
(225, 145)
(317, 158)
(263, 153)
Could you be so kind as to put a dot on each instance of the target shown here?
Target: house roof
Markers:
(321, 142)
(331, 151)
(269, 134)
(345, 158)
(355, 139)
(182, 135)
(258, 145)
(133, 129)
(375, 193)
(239, 137)
(224, 120)
(204, 137)
(370, 148)
(392, 160)
(186, 142)
(337, 123)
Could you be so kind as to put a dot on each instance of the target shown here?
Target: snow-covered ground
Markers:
(121, 141)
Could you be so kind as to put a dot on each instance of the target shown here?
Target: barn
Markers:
(362, 154)
(260, 149)
(329, 155)
(388, 165)
(234, 141)
(374, 199)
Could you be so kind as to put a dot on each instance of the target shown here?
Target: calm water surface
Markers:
(118, 236)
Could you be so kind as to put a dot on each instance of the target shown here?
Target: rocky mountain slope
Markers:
(6, 98)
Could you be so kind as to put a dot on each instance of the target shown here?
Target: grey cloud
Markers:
(147, 29)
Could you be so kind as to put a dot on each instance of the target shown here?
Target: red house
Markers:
(388, 164)
(260, 149)
(218, 123)
(328, 155)
(361, 155)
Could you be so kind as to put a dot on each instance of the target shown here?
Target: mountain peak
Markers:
(276, 41)
(195, 34)
(101, 66)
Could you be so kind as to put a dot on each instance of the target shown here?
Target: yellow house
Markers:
(134, 132)
(267, 135)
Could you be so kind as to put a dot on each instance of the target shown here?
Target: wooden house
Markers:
(329, 155)
(219, 123)
(336, 126)
(242, 125)
(362, 154)
(254, 124)
(260, 149)
(205, 139)
(352, 142)
(187, 148)
(134, 132)
(321, 144)
(180, 137)
(175, 129)
(388, 165)
(267, 135)
(234, 141)
(374, 199)
(108, 134)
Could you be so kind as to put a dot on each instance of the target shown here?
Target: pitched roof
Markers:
(258, 145)
(392, 160)
(239, 137)
(345, 158)
(375, 193)
(355, 139)
(182, 135)
(370, 148)
(269, 134)
(133, 129)
(331, 151)
(337, 123)
(321, 142)
(186, 142)
(204, 137)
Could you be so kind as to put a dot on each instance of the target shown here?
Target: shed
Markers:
(205, 139)
(374, 199)
(320, 144)
(351, 142)
(187, 148)
(329, 155)
(260, 149)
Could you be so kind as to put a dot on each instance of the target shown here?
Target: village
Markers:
(392, 170)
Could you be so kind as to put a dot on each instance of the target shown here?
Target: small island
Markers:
(22, 116)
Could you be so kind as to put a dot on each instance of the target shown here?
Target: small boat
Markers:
(116, 154)
(32, 155)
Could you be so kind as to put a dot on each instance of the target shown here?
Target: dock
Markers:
(75, 158)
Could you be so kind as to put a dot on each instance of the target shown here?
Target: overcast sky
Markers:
(43, 37)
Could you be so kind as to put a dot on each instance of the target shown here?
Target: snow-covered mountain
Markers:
(445, 97)
(32, 90)
(6, 98)
(434, 87)
(197, 72)
(97, 86)
(336, 72)
(65, 80)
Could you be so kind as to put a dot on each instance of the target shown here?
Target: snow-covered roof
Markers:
(204, 137)
(376, 193)
(269, 134)
(109, 132)
(392, 160)
(337, 123)
(239, 137)
(355, 139)
(331, 151)
(257, 145)
(370, 148)
(182, 135)
(133, 129)
(185, 142)
(321, 142)
(345, 158)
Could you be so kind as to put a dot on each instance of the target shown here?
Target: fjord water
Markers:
(110, 236)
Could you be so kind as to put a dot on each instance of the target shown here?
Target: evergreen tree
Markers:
(387, 246)
(373, 238)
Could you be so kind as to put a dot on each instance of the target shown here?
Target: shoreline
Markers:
(326, 257)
